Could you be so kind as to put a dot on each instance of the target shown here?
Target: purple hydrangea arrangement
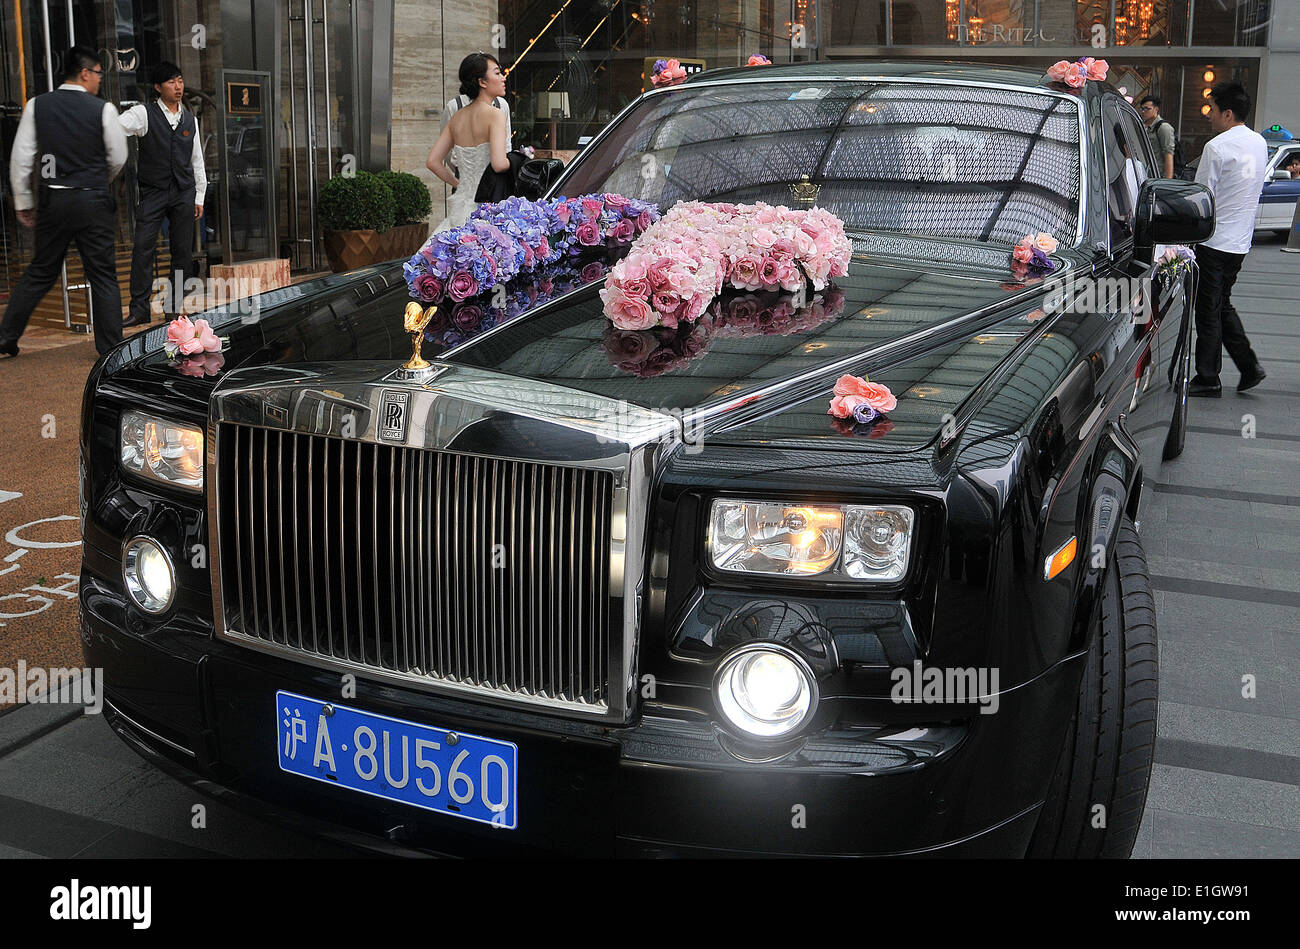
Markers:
(515, 236)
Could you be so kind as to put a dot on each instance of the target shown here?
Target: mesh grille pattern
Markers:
(972, 162)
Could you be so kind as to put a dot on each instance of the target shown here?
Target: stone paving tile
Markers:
(1183, 617)
(1217, 571)
(1212, 675)
(1216, 726)
(1182, 836)
(1224, 797)
(1268, 540)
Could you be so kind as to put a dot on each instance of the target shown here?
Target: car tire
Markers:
(1110, 743)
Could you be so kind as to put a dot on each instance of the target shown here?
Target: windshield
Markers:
(916, 158)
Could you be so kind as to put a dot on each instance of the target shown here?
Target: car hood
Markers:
(905, 303)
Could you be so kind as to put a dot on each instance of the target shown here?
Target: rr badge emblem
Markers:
(393, 408)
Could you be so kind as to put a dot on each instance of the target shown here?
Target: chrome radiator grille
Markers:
(473, 572)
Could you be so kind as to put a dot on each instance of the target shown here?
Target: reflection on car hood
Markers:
(888, 308)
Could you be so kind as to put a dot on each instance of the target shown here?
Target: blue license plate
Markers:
(449, 772)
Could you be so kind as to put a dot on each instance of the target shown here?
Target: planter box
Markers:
(405, 239)
(350, 250)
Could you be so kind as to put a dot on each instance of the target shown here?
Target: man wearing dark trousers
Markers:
(172, 183)
(71, 140)
(1232, 166)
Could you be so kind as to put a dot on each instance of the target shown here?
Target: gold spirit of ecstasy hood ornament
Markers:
(414, 321)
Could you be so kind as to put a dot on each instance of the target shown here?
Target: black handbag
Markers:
(537, 175)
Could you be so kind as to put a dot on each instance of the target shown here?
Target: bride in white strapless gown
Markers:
(474, 138)
(472, 162)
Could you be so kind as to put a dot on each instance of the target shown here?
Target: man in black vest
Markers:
(172, 183)
(72, 141)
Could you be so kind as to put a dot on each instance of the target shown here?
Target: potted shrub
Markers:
(354, 212)
(411, 229)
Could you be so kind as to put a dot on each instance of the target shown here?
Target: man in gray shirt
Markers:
(1161, 134)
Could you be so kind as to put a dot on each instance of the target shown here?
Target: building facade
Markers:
(593, 53)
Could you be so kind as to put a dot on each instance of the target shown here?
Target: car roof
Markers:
(912, 69)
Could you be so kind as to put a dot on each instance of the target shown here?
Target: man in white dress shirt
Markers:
(71, 141)
(172, 183)
(1232, 166)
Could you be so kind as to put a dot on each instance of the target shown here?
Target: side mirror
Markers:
(1171, 211)
(536, 176)
(1281, 174)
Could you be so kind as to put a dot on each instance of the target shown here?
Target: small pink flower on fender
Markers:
(758, 59)
(1023, 252)
(842, 406)
(879, 397)
(1045, 242)
(188, 337)
(851, 392)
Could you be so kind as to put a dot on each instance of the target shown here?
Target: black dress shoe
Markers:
(9, 349)
(1251, 379)
(1209, 390)
(135, 321)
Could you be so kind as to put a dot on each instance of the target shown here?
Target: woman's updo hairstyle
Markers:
(473, 68)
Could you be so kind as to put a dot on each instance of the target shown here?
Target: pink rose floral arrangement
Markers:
(676, 268)
(186, 337)
(860, 400)
(1176, 259)
(1075, 74)
(758, 59)
(1029, 258)
(667, 72)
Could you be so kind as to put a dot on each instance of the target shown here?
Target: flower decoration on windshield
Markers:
(516, 236)
(677, 267)
(1029, 258)
(667, 72)
(758, 59)
(860, 400)
(1075, 74)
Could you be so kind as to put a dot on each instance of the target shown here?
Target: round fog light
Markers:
(765, 690)
(147, 570)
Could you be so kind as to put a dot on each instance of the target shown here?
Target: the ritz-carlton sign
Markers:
(1007, 34)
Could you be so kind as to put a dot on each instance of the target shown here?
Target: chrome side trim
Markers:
(152, 734)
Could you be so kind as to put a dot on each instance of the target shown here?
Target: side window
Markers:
(1139, 145)
(1124, 174)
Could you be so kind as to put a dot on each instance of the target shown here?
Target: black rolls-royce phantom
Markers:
(581, 590)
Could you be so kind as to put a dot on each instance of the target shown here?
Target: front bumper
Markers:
(205, 711)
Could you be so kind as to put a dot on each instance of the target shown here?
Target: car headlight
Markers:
(765, 690)
(164, 451)
(150, 578)
(831, 541)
